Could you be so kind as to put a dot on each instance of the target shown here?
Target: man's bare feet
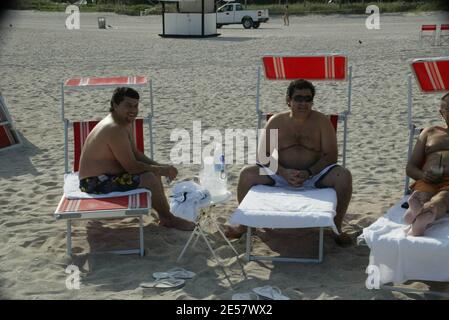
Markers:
(234, 232)
(343, 240)
(177, 223)
(415, 205)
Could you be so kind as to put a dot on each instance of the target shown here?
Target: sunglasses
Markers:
(300, 98)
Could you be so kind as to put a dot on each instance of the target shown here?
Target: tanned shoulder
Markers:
(426, 132)
(319, 115)
(277, 119)
(115, 131)
(429, 131)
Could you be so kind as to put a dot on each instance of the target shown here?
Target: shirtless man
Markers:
(307, 151)
(110, 161)
(429, 167)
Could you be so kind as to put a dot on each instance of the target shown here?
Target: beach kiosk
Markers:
(192, 18)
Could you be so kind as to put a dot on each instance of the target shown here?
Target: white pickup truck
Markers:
(233, 13)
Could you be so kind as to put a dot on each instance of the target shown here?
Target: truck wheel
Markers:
(256, 24)
(247, 23)
(219, 26)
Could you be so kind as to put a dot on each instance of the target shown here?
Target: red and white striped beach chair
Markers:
(9, 138)
(425, 257)
(135, 205)
(325, 67)
(428, 33)
(443, 37)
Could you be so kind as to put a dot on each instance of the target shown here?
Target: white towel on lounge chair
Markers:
(274, 207)
(187, 198)
(72, 189)
(400, 257)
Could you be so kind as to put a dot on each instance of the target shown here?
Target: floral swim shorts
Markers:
(107, 183)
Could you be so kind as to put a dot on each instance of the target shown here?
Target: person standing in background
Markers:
(286, 20)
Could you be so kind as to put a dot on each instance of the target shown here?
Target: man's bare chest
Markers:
(305, 135)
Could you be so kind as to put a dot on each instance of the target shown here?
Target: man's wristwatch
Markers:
(309, 172)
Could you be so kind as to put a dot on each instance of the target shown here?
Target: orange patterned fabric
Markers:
(423, 186)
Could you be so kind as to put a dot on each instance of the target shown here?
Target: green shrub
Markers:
(306, 7)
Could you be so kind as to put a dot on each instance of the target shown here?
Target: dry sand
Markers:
(212, 80)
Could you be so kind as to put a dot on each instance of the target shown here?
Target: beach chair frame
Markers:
(443, 36)
(7, 124)
(79, 84)
(414, 132)
(428, 31)
(280, 74)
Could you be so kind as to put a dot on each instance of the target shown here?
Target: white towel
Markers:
(72, 189)
(274, 207)
(187, 198)
(400, 257)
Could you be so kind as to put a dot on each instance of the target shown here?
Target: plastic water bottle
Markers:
(213, 175)
(220, 171)
(207, 173)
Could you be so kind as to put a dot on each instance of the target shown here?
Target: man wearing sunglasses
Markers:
(307, 155)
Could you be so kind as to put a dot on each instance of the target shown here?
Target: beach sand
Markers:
(212, 80)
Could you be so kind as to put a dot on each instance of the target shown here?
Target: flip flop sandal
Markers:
(343, 240)
(164, 283)
(177, 273)
(245, 296)
(269, 292)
